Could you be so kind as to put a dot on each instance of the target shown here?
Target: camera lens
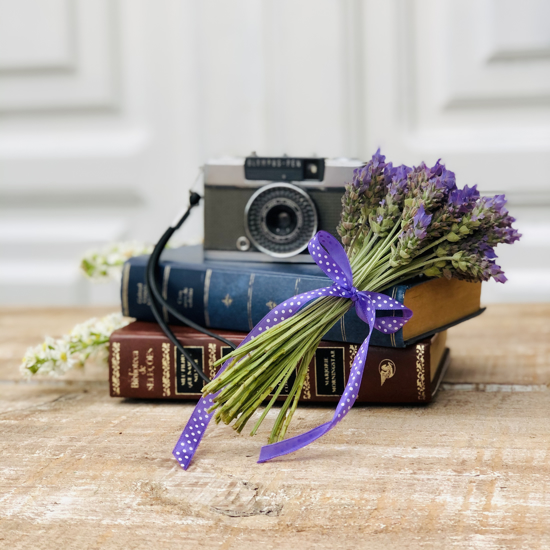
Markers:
(280, 219)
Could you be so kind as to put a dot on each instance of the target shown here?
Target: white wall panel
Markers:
(108, 108)
(518, 32)
(84, 32)
(36, 35)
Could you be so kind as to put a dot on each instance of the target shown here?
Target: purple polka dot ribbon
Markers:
(332, 259)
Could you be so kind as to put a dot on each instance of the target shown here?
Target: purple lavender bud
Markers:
(378, 159)
(448, 179)
(400, 174)
(421, 220)
(373, 170)
(464, 200)
(497, 274)
(437, 169)
(496, 203)
(510, 234)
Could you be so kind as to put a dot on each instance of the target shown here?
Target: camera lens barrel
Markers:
(280, 219)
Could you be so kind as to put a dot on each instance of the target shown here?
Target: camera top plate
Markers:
(284, 169)
(258, 171)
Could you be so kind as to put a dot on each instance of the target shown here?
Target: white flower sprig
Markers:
(88, 339)
(106, 263)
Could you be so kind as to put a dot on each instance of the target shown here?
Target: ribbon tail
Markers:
(194, 430)
(293, 443)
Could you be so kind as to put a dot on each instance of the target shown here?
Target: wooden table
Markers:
(472, 470)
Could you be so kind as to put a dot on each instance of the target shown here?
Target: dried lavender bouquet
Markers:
(397, 223)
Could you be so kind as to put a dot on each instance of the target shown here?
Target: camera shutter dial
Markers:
(280, 219)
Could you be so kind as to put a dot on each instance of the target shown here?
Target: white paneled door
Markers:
(108, 107)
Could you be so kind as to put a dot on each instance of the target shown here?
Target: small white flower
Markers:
(56, 357)
(106, 263)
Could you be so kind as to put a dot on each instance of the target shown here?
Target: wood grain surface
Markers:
(471, 470)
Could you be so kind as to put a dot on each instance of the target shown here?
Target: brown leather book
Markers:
(143, 363)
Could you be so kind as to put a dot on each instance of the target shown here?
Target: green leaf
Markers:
(453, 237)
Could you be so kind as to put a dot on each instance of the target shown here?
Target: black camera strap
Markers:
(158, 301)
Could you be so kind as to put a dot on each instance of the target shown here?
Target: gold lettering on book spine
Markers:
(165, 370)
(115, 368)
(420, 377)
(134, 373)
(306, 389)
(150, 369)
(211, 360)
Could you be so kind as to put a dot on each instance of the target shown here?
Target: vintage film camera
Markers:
(267, 209)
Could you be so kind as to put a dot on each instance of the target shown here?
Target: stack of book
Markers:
(405, 367)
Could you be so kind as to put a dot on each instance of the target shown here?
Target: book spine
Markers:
(149, 366)
(232, 300)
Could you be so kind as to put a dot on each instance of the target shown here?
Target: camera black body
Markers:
(268, 208)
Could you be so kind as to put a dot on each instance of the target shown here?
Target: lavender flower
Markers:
(473, 268)
(409, 241)
(429, 186)
(490, 217)
(472, 259)
(496, 221)
(459, 203)
(383, 219)
(361, 198)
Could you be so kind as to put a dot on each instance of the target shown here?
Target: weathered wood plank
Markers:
(79, 469)
(508, 344)
(471, 470)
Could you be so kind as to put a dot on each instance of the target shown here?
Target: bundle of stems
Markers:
(397, 223)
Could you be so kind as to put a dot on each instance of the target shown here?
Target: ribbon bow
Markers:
(333, 260)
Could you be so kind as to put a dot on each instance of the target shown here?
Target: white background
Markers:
(108, 108)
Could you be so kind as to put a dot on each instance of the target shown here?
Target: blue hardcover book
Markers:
(237, 295)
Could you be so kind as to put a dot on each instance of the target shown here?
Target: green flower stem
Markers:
(395, 274)
(295, 393)
(383, 248)
(285, 414)
(271, 402)
(368, 243)
(277, 380)
(382, 270)
(235, 402)
(258, 374)
(289, 366)
(234, 373)
(383, 282)
(426, 248)
(362, 224)
(269, 340)
(299, 320)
